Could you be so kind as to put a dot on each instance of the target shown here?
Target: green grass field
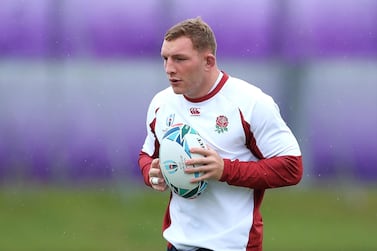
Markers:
(114, 218)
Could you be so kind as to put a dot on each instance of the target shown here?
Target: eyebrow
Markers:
(175, 55)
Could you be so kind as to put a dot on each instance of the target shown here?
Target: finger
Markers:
(160, 188)
(157, 182)
(154, 180)
(199, 150)
(155, 164)
(195, 164)
(198, 168)
(201, 178)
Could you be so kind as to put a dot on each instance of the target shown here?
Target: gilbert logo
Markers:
(195, 111)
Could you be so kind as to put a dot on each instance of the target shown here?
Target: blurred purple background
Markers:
(76, 78)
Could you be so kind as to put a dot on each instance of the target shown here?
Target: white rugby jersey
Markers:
(245, 127)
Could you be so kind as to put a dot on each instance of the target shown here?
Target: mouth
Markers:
(174, 81)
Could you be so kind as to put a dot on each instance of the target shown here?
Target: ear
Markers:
(210, 60)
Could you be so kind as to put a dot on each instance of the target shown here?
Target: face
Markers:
(185, 67)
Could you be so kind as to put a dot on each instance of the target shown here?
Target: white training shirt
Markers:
(221, 218)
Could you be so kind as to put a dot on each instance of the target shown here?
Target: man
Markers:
(250, 147)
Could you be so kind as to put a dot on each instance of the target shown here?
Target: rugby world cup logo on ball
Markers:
(174, 150)
(170, 166)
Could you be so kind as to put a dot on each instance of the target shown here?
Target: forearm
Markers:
(145, 164)
(266, 173)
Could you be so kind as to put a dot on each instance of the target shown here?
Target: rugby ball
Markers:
(174, 150)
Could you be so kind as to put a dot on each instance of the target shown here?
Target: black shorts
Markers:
(199, 249)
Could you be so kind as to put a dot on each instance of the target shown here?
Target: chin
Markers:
(177, 90)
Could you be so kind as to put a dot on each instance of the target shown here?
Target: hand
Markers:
(212, 165)
(155, 176)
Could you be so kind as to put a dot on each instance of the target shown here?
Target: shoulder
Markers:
(162, 97)
(245, 92)
(256, 106)
(163, 93)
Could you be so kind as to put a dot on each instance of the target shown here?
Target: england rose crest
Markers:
(221, 124)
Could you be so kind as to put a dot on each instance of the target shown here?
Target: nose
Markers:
(169, 66)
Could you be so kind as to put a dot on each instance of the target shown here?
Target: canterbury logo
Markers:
(195, 111)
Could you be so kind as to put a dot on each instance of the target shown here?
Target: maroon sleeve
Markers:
(145, 159)
(265, 173)
(145, 164)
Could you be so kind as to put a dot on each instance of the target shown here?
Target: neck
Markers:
(212, 79)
